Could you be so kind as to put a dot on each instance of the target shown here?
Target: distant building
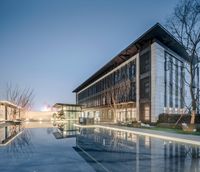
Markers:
(67, 111)
(142, 81)
(38, 116)
(9, 111)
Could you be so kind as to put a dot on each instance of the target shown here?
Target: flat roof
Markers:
(5, 102)
(66, 104)
(155, 33)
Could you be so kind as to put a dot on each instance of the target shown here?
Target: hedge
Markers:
(173, 118)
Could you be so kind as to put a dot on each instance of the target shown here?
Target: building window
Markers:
(171, 83)
(176, 84)
(145, 62)
(145, 88)
(182, 87)
(92, 96)
(146, 113)
(165, 78)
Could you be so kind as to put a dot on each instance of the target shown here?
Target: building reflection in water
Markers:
(65, 129)
(8, 132)
(16, 140)
(121, 151)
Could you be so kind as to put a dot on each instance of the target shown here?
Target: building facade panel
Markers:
(158, 82)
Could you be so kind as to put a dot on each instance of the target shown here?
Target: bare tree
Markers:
(187, 107)
(117, 92)
(111, 100)
(185, 26)
(22, 145)
(20, 97)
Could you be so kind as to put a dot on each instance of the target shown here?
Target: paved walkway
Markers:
(182, 138)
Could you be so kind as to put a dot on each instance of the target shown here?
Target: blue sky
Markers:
(53, 46)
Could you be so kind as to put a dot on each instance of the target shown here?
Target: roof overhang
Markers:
(155, 33)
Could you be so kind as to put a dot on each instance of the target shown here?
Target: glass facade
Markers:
(98, 94)
(67, 111)
(113, 97)
(128, 114)
(174, 84)
(145, 85)
(65, 130)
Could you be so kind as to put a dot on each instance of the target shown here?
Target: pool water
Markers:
(108, 150)
(61, 148)
(37, 150)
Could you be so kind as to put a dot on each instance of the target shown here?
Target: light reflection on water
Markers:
(121, 151)
(37, 149)
(61, 146)
(65, 130)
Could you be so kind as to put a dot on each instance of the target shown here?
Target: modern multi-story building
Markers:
(141, 82)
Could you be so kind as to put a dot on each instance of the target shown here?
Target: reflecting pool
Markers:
(108, 150)
(60, 147)
(8, 133)
(37, 150)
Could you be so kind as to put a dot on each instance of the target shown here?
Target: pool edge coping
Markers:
(5, 144)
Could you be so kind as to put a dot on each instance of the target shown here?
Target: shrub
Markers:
(173, 118)
(169, 125)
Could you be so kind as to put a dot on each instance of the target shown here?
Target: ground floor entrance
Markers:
(122, 113)
(125, 115)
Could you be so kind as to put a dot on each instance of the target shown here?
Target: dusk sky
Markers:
(53, 46)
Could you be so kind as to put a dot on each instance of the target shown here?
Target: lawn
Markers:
(174, 130)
